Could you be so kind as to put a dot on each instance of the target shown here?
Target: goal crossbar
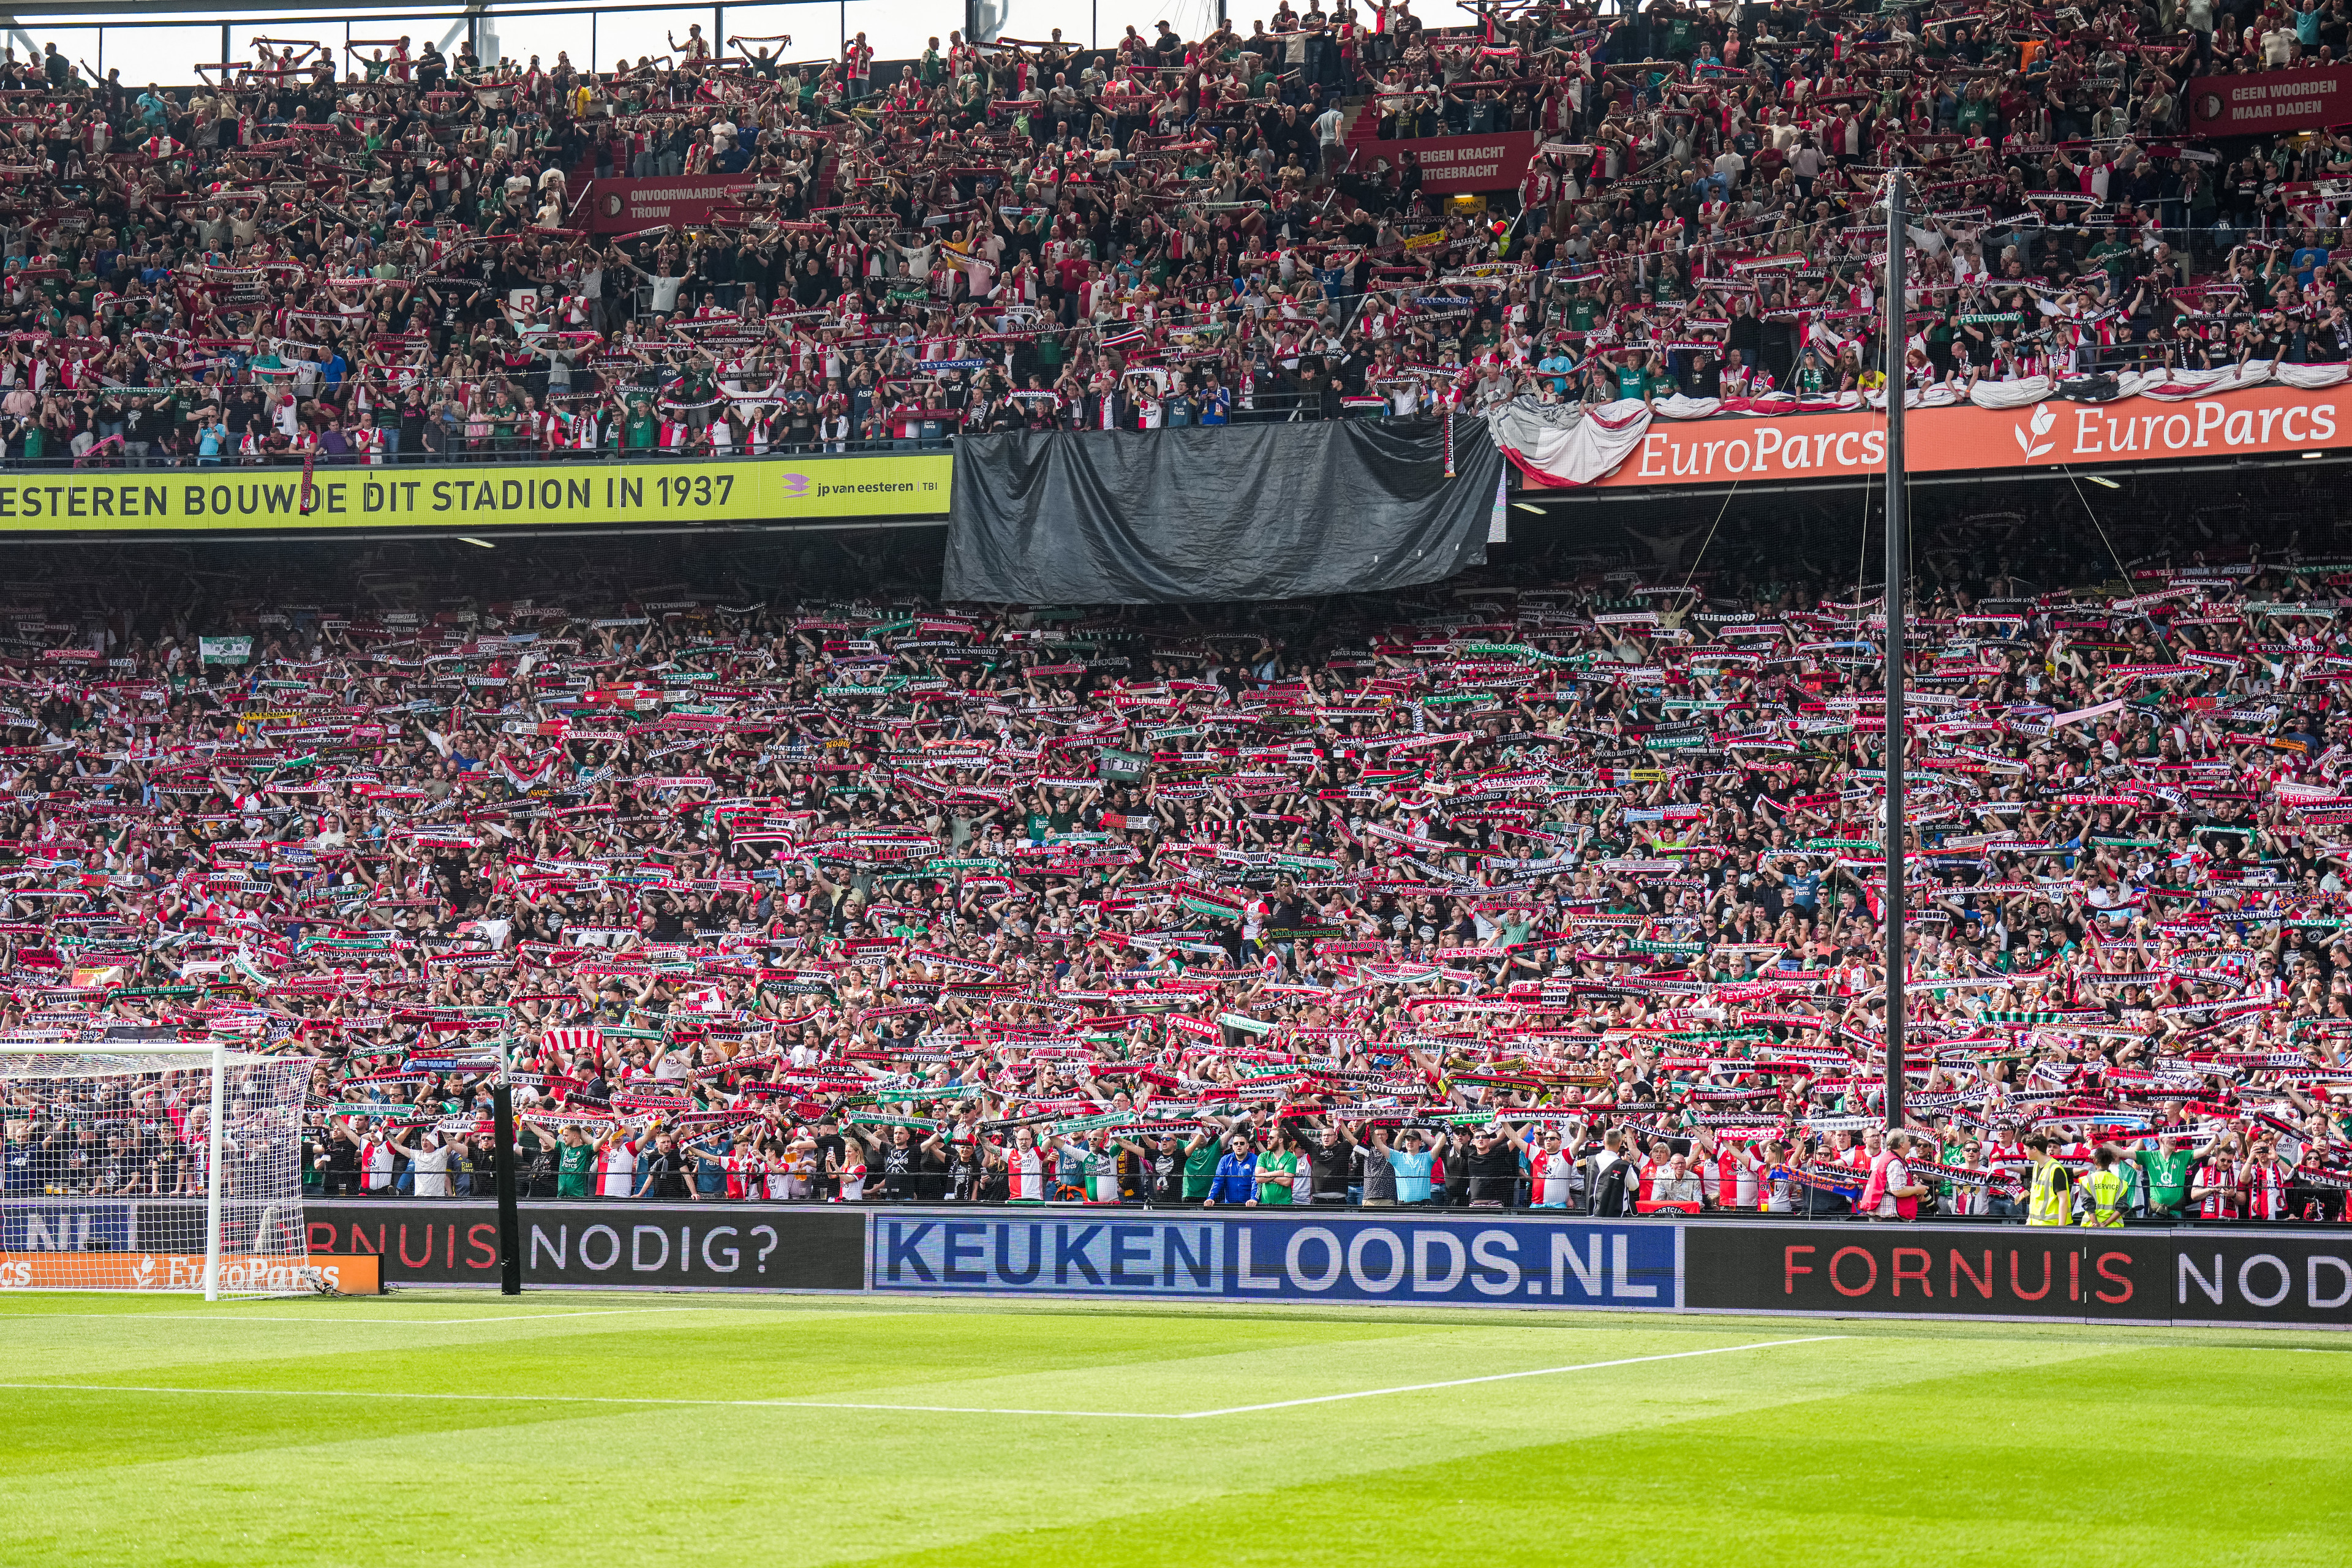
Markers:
(118, 1049)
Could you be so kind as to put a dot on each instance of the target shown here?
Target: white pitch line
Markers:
(579, 1399)
(919, 1409)
(1501, 1377)
(964, 1409)
(341, 1323)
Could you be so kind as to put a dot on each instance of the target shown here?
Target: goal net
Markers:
(149, 1168)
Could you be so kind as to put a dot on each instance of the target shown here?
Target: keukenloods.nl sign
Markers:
(2262, 419)
(477, 498)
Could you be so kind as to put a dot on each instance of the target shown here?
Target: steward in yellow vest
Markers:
(2103, 1194)
(2050, 1199)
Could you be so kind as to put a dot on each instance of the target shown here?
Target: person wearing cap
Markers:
(1412, 1160)
(1163, 1163)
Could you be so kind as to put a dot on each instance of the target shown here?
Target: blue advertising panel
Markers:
(1352, 1256)
(65, 1225)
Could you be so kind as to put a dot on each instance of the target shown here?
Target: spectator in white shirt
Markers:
(431, 1164)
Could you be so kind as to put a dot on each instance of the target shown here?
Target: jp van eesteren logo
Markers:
(796, 486)
(2040, 425)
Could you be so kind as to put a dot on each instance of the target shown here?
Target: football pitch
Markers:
(448, 1427)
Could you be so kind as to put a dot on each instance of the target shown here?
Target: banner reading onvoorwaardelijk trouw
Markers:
(681, 201)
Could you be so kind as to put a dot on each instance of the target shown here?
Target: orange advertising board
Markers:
(1720, 451)
(353, 1274)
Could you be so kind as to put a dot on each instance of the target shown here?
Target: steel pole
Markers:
(215, 1145)
(502, 1134)
(1892, 839)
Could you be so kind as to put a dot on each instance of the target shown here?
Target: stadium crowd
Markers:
(385, 257)
(1561, 893)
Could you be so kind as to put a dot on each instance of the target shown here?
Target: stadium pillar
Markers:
(502, 1160)
(1893, 843)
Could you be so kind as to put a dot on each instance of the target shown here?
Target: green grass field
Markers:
(437, 1427)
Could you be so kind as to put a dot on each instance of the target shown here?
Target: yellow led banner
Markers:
(477, 496)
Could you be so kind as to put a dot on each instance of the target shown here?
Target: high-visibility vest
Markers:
(2108, 1191)
(2046, 1201)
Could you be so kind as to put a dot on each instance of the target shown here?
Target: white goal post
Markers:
(150, 1166)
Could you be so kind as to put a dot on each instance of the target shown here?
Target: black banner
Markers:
(1991, 1271)
(1242, 511)
(2228, 1277)
(744, 1247)
(2186, 1275)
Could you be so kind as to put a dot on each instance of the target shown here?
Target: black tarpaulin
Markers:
(1219, 513)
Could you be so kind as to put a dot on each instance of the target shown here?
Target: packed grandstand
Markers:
(1536, 890)
(1556, 886)
(388, 256)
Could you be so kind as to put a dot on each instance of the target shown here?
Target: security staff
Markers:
(2104, 1195)
(2048, 1198)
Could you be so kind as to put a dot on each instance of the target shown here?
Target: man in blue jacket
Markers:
(1236, 1179)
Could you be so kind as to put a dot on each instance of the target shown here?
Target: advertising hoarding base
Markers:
(2298, 1276)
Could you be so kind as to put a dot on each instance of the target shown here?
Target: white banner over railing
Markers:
(2004, 426)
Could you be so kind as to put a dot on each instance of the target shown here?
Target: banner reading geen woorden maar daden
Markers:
(2262, 102)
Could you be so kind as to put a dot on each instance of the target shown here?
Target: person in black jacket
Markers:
(1329, 404)
(339, 1165)
(1332, 1162)
(664, 1175)
(1452, 1160)
(1606, 1174)
(1493, 1168)
(1163, 1169)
